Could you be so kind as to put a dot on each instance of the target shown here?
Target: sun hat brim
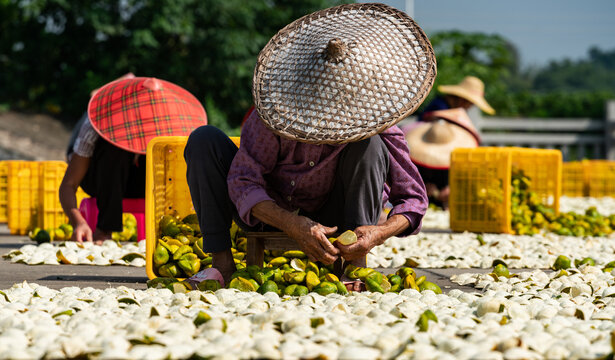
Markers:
(432, 155)
(130, 112)
(464, 93)
(458, 116)
(343, 74)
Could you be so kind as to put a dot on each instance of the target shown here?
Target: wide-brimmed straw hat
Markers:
(131, 112)
(343, 74)
(472, 89)
(458, 116)
(431, 143)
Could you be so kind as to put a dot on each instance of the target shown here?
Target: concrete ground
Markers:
(101, 277)
(59, 276)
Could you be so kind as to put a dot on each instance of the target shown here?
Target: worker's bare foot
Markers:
(100, 235)
(223, 261)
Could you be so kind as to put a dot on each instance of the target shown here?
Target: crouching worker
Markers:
(108, 157)
(321, 149)
(431, 143)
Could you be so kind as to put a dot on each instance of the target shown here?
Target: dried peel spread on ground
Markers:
(534, 315)
(531, 315)
(86, 253)
(467, 250)
(604, 205)
(427, 249)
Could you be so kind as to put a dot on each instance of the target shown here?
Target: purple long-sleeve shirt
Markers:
(297, 175)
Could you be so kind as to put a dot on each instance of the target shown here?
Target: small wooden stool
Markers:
(258, 242)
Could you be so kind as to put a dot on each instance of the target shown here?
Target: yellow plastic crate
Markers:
(166, 188)
(50, 212)
(600, 178)
(480, 185)
(593, 178)
(574, 178)
(23, 195)
(4, 170)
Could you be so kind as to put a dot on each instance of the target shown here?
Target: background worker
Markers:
(431, 143)
(470, 91)
(108, 159)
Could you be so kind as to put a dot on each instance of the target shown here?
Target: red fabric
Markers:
(131, 112)
(429, 166)
(89, 211)
(248, 114)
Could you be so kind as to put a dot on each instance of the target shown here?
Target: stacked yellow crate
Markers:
(480, 185)
(32, 196)
(600, 178)
(23, 195)
(574, 178)
(50, 213)
(593, 178)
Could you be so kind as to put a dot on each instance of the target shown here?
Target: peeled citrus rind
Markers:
(348, 237)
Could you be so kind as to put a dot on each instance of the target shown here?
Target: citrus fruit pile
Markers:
(530, 216)
(179, 254)
(129, 232)
(298, 276)
(65, 232)
(61, 233)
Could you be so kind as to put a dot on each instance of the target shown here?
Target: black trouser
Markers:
(438, 177)
(356, 197)
(111, 177)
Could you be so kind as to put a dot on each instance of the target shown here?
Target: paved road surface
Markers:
(59, 276)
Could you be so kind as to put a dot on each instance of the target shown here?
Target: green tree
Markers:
(491, 58)
(568, 88)
(596, 73)
(562, 89)
(54, 52)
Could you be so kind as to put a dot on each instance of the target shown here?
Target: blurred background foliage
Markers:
(560, 89)
(54, 52)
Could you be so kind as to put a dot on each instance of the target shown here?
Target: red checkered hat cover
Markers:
(131, 112)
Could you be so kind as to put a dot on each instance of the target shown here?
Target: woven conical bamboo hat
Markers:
(343, 74)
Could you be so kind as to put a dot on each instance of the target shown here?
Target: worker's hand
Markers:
(440, 195)
(432, 190)
(313, 239)
(82, 232)
(444, 195)
(368, 236)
